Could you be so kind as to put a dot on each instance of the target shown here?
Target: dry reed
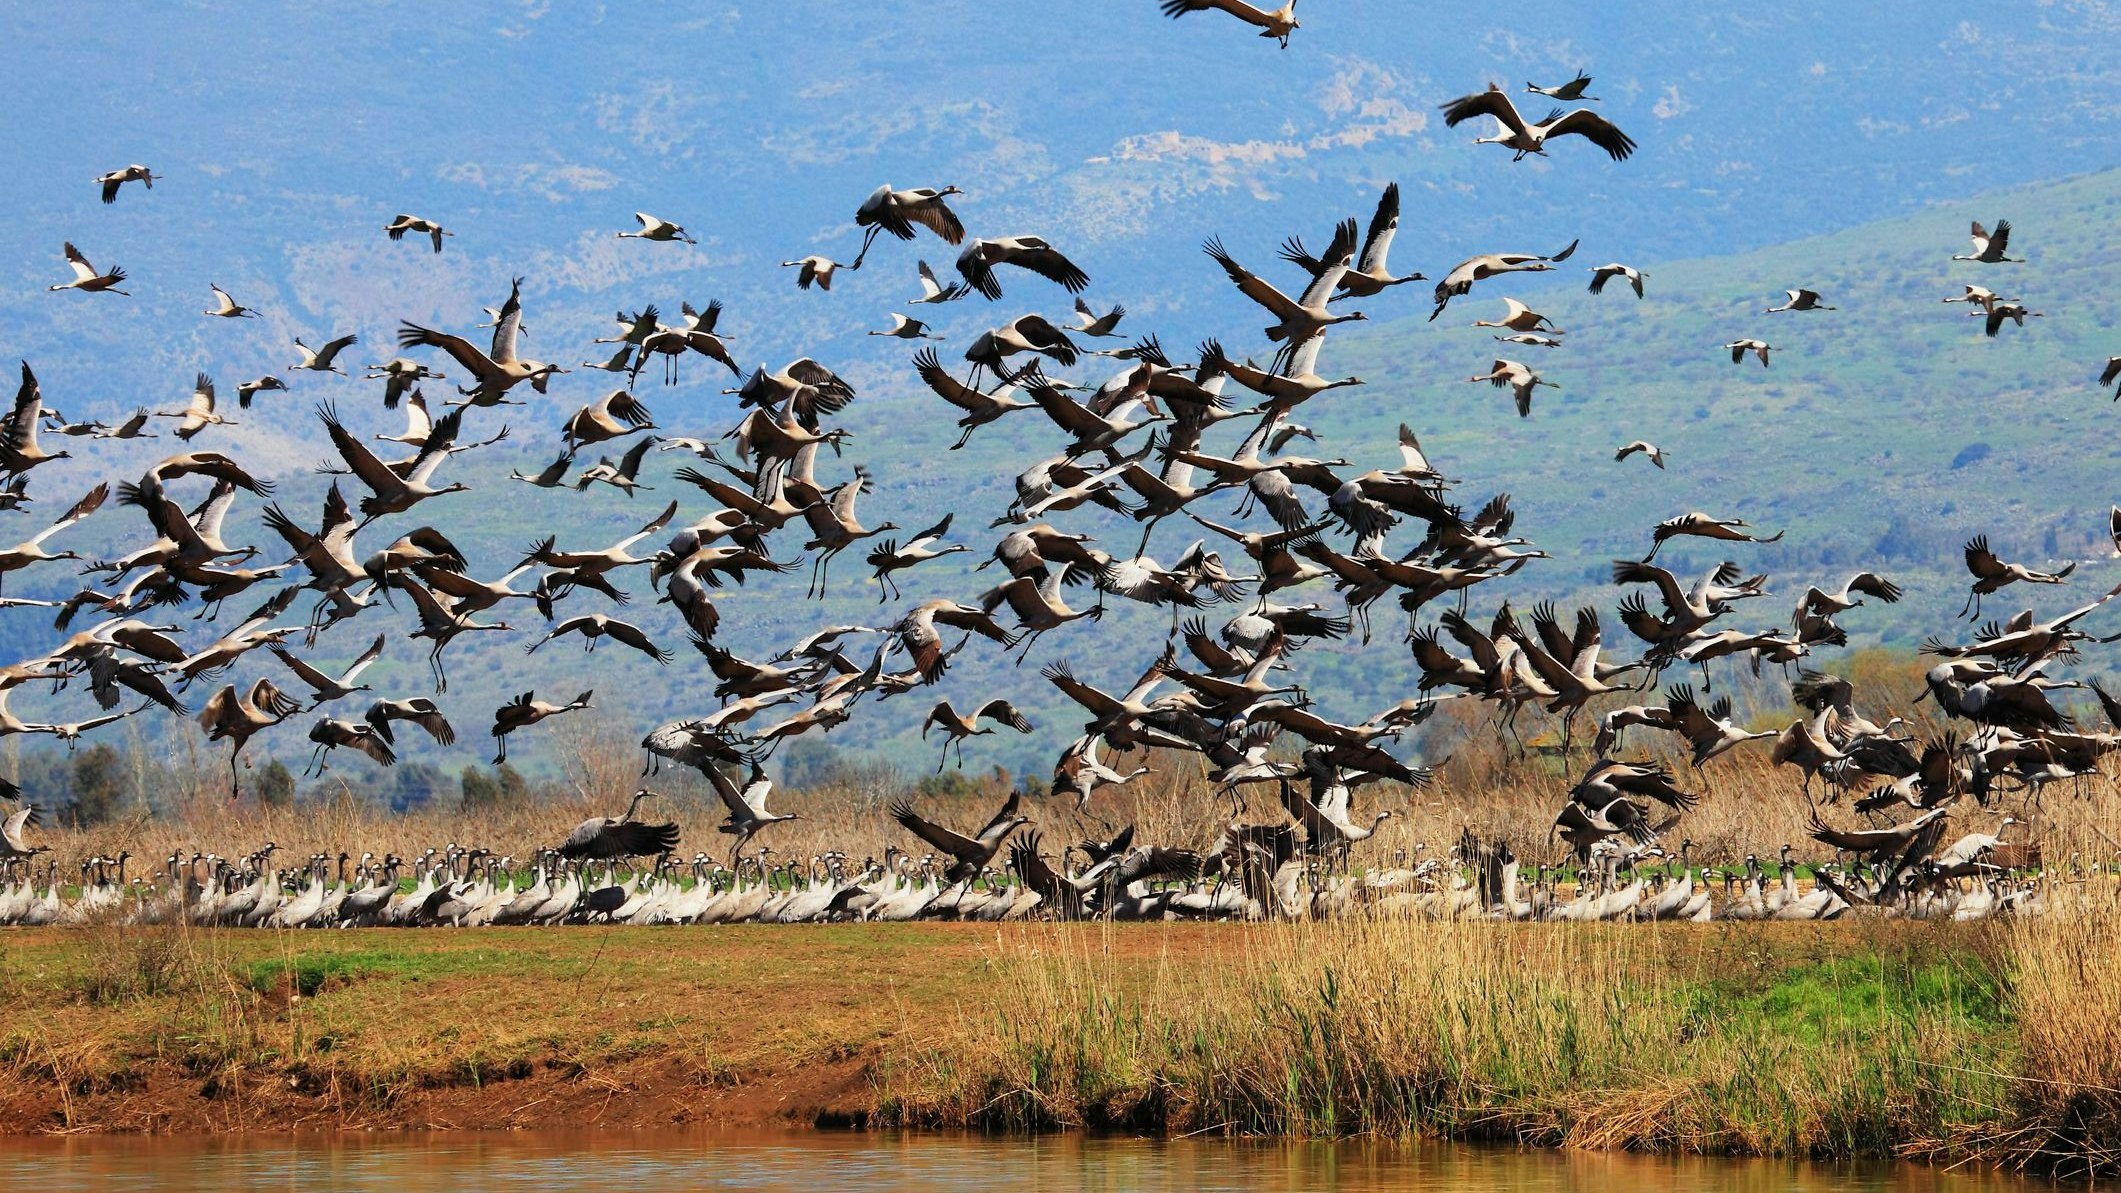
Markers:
(2065, 1002)
(1604, 1037)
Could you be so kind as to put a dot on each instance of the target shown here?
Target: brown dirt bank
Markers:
(624, 1095)
(169, 1030)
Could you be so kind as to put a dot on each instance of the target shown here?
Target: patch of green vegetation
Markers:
(1866, 996)
(1860, 1055)
(309, 972)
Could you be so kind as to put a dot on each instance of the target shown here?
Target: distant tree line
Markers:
(102, 782)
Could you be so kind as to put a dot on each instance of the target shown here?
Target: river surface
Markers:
(803, 1162)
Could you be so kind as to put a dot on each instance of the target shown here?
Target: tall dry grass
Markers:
(2065, 1001)
(1574, 1036)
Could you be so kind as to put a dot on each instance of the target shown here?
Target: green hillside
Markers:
(1849, 440)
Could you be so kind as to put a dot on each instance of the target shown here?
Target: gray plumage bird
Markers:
(609, 838)
(1526, 137)
(747, 807)
(419, 710)
(1568, 92)
(524, 711)
(957, 726)
(969, 855)
(330, 733)
(12, 843)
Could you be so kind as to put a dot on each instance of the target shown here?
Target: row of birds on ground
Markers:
(1237, 877)
(1134, 444)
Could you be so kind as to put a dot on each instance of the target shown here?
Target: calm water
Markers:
(798, 1163)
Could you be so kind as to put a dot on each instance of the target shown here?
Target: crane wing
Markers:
(1492, 102)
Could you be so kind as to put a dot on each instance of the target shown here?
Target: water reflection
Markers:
(550, 1160)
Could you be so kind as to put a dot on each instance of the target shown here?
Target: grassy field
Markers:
(1996, 1042)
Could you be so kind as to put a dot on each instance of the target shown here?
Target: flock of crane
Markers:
(1251, 872)
(1140, 441)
